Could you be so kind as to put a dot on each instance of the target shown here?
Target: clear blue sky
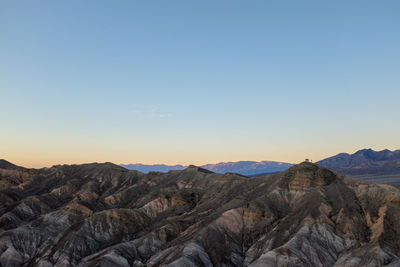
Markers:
(197, 81)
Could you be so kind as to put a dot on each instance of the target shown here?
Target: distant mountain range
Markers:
(365, 162)
(240, 167)
(378, 166)
(145, 168)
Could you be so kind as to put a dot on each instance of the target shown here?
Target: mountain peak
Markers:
(365, 150)
(365, 162)
(198, 169)
(306, 175)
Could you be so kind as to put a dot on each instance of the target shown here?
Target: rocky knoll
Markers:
(105, 215)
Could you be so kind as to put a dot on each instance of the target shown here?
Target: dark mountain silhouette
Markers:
(364, 161)
(4, 164)
(381, 166)
(106, 215)
(366, 164)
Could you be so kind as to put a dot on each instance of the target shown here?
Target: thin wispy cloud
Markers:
(165, 115)
(151, 111)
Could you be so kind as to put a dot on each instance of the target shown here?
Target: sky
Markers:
(195, 82)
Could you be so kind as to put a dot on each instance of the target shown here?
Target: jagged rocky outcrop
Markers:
(105, 215)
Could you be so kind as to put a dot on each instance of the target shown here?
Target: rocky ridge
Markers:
(105, 215)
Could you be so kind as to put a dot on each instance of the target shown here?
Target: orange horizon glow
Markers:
(40, 161)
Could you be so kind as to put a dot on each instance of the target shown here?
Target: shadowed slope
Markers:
(7, 165)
